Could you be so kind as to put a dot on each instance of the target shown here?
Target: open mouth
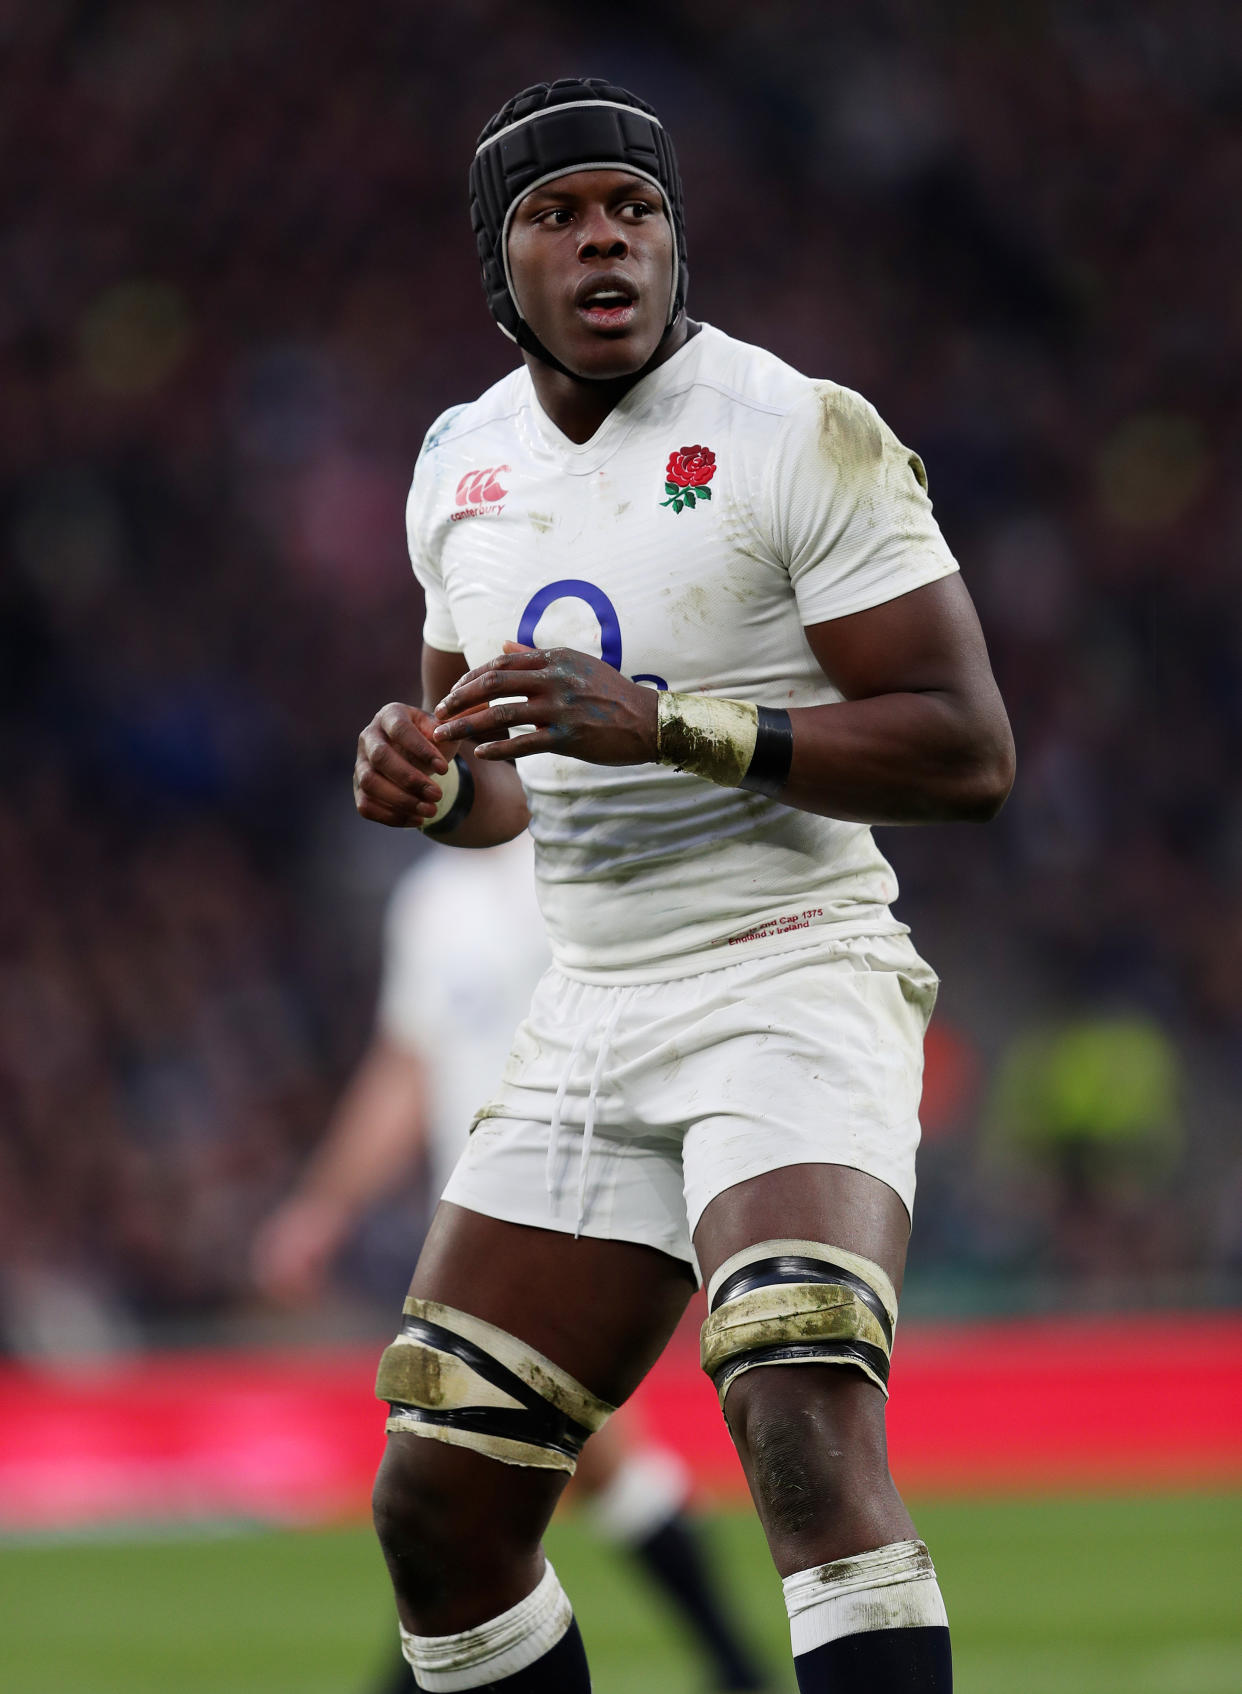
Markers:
(607, 306)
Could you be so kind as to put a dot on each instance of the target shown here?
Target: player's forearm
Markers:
(905, 758)
(375, 1136)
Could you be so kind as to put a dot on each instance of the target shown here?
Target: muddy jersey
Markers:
(723, 506)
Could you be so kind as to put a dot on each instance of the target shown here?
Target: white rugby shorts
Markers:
(623, 1111)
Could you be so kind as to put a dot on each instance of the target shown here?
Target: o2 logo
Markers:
(573, 588)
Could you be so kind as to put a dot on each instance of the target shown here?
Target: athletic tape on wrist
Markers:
(456, 799)
(732, 742)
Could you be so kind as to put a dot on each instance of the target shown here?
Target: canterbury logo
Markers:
(478, 489)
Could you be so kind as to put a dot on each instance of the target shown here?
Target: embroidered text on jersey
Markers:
(689, 471)
(479, 493)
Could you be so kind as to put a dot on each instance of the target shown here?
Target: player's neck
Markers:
(577, 405)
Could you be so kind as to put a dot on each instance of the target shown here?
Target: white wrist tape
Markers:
(708, 737)
(450, 783)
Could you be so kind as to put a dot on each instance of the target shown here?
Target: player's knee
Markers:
(483, 1433)
(456, 1380)
(812, 1438)
(798, 1303)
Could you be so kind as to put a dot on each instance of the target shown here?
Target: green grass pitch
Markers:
(1073, 1596)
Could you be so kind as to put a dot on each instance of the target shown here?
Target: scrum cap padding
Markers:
(453, 1378)
(798, 1302)
(546, 132)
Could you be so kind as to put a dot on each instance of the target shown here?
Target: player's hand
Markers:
(293, 1250)
(397, 766)
(577, 705)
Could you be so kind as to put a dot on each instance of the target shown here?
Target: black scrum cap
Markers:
(545, 132)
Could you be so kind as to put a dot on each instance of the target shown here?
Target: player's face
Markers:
(591, 257)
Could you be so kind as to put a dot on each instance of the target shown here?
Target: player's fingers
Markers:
(381, 801)
(549, 740)
(490, 721)
(415, 773)
(496, 677)
(467, 697)
(403, 817)
(407, 729)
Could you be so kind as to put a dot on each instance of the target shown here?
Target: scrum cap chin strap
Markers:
(548, 131)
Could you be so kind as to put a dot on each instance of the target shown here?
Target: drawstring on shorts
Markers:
(605, 1031)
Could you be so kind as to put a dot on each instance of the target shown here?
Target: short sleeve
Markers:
(401, 1015)
(849, 508)
(438, 627)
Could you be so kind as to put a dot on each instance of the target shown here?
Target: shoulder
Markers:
(841, 426)
(493, 408)
(459, 430)
(839, 421)
(754, 379)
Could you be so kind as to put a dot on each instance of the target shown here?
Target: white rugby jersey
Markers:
(464, 946)
(725, 503)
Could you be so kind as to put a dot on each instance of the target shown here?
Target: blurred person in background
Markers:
(464, 946)
(1091, 1106)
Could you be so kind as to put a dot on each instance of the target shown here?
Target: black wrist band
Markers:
(768, 770)
(460, 809)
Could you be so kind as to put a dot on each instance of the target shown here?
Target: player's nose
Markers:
(602, 237)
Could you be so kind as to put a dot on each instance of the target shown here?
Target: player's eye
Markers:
(640, 208)
(558, 215)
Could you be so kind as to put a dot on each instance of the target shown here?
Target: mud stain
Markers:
(850, 434)
(694, 606)
(739, 583)
(543, 522)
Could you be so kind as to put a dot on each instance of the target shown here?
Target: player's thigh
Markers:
(831, 1204)
(805, 1122)
(601, 1310)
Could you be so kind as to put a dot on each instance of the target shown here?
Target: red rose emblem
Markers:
(690, 469)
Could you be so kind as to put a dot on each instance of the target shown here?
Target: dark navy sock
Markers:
(879, 1661)
(562, 1671)
(673, 1557)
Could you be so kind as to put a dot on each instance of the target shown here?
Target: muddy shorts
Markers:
(624, 1110)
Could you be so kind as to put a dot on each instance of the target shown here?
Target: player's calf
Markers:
(864, 1605)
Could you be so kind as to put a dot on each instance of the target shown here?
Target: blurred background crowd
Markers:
(237, 283)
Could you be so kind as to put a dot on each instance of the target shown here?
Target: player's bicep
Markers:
(440, 671)
(923, 641)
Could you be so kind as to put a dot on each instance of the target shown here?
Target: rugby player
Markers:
(464, 945)
(689, 616)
